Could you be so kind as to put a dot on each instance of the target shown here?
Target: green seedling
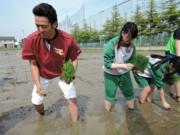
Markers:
(68, 72)
(140, 61)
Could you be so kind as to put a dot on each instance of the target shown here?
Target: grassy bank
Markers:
(140, 48)
(9, 49)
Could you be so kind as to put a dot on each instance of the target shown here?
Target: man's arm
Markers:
(36, 77)
(177, 44)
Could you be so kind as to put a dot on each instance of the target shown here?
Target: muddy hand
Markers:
(41, 92)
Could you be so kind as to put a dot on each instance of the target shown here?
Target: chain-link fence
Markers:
(126, 9)
(160, 39)
(97, 20)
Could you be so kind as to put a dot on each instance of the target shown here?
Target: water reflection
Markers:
(11, 118)
(110, 126)
(75, 129)
(41, 126)
(136, 124)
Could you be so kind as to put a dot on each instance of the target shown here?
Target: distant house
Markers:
(7, 42)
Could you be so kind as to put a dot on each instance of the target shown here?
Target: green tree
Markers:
(112, 26)
(75, 32)
(140, 20)
(152, 19)
(171, 15)
(85, 34)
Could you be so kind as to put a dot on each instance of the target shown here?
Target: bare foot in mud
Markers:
(107, 105)
(140, 101)
(148, 100)
(166, 105)
(175, 97)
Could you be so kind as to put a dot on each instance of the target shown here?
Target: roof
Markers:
(7, 38)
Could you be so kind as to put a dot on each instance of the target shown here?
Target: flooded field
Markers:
(18, 117)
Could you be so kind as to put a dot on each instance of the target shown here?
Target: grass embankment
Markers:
(9, 49)
(143, 48)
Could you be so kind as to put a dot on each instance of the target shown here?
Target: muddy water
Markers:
(17, 115)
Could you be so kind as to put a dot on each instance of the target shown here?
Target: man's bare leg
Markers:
(73, 107)
(40, 109)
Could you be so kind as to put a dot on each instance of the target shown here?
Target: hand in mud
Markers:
(41, 91)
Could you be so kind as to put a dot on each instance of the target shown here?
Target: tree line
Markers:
(152, 21)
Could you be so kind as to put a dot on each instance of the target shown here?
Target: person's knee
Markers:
(68, 90)
(39, 107)
(147, 89)
(72, 101)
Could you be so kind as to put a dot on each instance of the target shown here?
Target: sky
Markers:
(16, 18)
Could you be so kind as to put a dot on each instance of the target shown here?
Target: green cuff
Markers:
(110, 99)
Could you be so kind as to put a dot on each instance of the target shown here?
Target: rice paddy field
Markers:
(18, 117)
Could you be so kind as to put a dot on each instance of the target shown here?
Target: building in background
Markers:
(7, 42)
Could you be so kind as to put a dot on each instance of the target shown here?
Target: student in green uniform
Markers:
(152, 77)
(117, 55)
(172, 50)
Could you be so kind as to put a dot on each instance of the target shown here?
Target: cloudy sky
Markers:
(16, 18)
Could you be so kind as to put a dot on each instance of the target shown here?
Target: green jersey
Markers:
(171, 48)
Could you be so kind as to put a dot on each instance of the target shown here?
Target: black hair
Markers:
(176, 34)
(45, 10)
(128, 27)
